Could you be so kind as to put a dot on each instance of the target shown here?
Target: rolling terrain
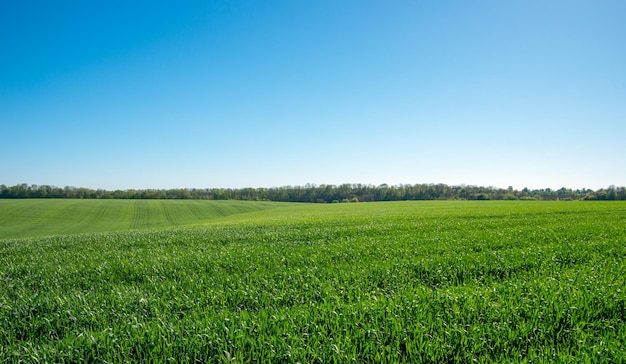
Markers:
(395, 282)
(40, 217)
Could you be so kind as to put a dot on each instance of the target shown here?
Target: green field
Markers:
(380, 282)
(41, 217)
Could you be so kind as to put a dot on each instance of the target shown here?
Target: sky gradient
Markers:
(203, 94)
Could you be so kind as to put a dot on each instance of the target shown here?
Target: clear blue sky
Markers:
(155, 94)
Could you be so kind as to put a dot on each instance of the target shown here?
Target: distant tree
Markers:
(611, 193)
(321, 194)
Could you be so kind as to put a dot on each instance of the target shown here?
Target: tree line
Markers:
(321, 193)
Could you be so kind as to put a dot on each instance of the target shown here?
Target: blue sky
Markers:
(155, 94)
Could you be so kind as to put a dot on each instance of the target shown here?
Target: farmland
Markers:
(266, 282)
(37, 217)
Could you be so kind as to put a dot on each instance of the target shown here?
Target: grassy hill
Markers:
(41, 217)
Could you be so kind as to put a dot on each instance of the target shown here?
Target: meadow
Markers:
(385, 282)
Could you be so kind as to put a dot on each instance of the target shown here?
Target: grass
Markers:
(41, 217)
(375, 282)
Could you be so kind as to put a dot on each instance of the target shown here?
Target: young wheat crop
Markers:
(373, 282)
